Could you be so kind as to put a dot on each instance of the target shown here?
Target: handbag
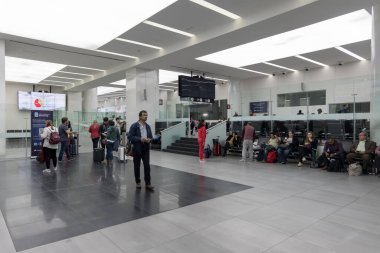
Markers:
(129, 149)
(41, 156)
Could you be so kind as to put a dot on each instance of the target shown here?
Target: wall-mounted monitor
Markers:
(41, 101)
(259, 107)
(198, 89)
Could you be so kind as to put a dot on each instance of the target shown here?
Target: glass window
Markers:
(300, 98)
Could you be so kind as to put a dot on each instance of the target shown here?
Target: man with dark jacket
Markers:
(333, 150)
(140, 135)
(363, 149)
(103, 131)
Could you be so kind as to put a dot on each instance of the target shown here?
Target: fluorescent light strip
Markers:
(258, 72)
(124, 55)
(138, 43)
(350, 53)
(216, 8)
(57, 81)
(60, 85)
(278, 66)
(310, 60)
(168, 28)
(167, 89)
(79, 67)
(73, 73)
(62, 77)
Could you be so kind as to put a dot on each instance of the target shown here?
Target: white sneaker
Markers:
(202, 161)
(46, 171)
(55, 168)
(299, 164)
(242, 160)
(303, 159)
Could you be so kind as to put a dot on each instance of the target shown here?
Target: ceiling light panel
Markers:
(350, 53)
(28, 71)
(312, 61)
(279, 66)
(54, 81)
(105, 90)
(138, 43)
(166, 76)
(91, 23)
(113, 53)
(345, 29)
(216, 8)
(253, 71)
(168, 28)
(63, 77)
(74, 73)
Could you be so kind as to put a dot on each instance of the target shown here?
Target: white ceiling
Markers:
(214, 32)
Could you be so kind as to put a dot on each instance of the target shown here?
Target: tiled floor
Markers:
(290, 209)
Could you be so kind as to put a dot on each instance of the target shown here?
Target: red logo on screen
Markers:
(38, 102)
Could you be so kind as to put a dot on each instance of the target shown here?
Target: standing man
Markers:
(64, 132)
(103, 132)
(248, 135)
(140, 136)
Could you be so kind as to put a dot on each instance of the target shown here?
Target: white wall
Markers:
(15, 119)
(338, 81)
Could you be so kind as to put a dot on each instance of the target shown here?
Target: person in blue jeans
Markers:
(113, 136)
(287, 145)
(64, 132)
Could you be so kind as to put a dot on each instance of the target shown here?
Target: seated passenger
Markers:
(272, 144)
(306, 147)
(363, 149)
(332, 150)
(287, 145)
(232, 140)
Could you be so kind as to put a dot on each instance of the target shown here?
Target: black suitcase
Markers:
(98, 155)
(72, 149)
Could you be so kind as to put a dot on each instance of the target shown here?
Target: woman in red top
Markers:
(201, 139)
(94, 130)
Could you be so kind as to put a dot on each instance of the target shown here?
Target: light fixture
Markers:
(167, 89)
(216, 8)
(74, 73)
(168, 28)
(205, 114)
(60, 85)
(124, 55)
(48, 80)
(82, 26)
(28, 71)
(310, 60)
(279, 66)
(350, 53)
(167, 76)
(254, 71)
(342, 30)
(101, 90)
(138, 43)
(167, 86)
(62, 77)
(79, 67)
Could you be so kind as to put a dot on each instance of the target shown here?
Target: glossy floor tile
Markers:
(83, 197)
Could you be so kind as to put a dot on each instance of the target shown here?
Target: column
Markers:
(234, 98)
(74, 101)
(90, 100)
(142, 94)
(375, 99)
(2, 99)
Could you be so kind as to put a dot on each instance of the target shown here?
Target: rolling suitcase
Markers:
(98, 154)
(121, 154)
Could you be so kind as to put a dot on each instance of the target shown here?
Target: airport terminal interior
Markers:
(259, 119)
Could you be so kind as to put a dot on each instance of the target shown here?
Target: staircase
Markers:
(184, 146)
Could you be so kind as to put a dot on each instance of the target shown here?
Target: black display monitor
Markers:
(197, 88)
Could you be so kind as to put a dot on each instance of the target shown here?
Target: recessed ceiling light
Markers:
(73, 73)
(168, 28)
(124, 55)
(79, 67)
(216, 8)
(350, 53)
(46, 80)
(342, 30)
(62, 77)
(138, 43)
(89, 25)
(279, 66)
(28, 71)
(310, 60)
(254, 71)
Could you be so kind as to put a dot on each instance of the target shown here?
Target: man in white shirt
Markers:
(362, 149)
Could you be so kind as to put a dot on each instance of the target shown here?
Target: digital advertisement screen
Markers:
(41, 101)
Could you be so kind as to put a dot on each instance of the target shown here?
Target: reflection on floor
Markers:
(84, 197)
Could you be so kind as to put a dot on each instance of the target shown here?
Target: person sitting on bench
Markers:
(309, 144)
(362, 149)
(332, 150)
(232, 140)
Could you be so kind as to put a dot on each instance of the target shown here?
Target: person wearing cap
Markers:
(332, 150)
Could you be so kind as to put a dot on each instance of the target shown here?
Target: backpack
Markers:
(271, 156)
(333, 165)
(208, 151)
(54, 138)
(355, 169)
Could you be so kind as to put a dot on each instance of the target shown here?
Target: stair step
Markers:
(181, 152)
(176, 144)
(190, 149)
